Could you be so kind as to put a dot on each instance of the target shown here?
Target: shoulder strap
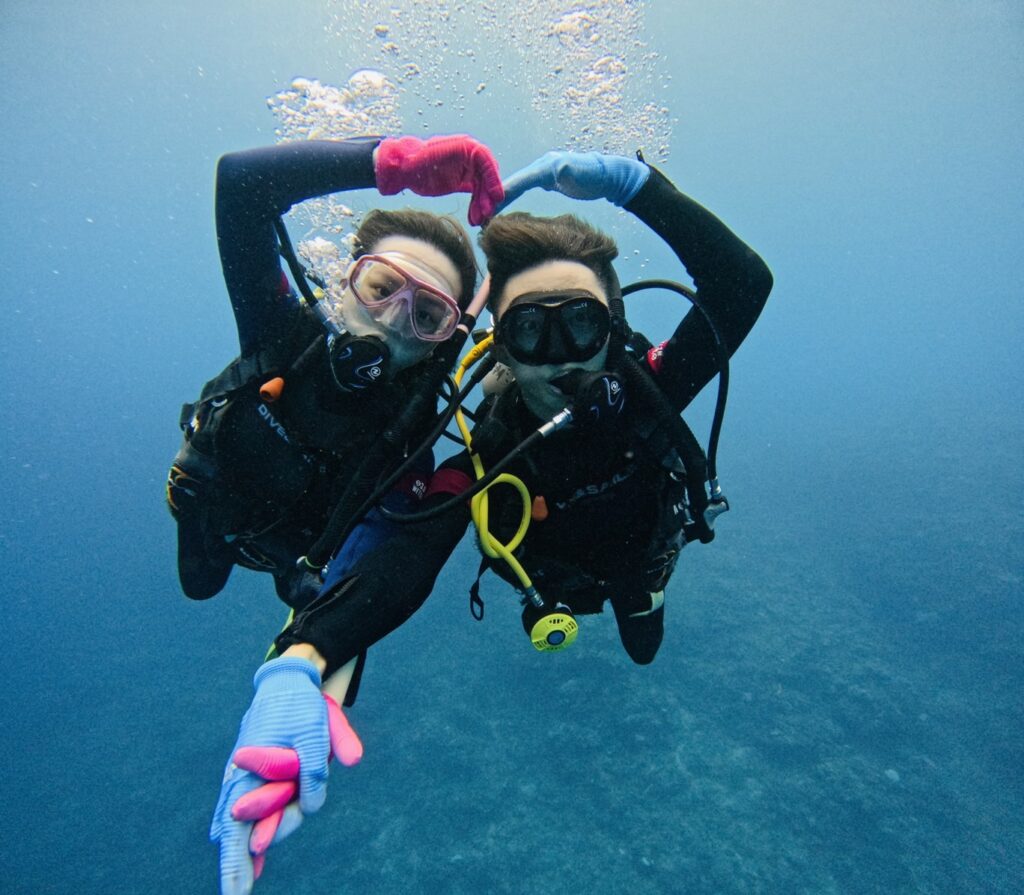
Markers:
(648, 426)
(273, 358)
(638, 344)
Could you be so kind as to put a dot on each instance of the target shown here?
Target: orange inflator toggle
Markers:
(271, 390)
(539, 510)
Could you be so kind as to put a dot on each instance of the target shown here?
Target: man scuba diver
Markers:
(600, 483)
(275, 439)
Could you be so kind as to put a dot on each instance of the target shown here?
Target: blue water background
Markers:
(837, 705)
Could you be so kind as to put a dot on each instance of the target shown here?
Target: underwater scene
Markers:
(836, 706)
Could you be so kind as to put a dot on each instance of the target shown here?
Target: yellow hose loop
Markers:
(479, 504)
(490, 545)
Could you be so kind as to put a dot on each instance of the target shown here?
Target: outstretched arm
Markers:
(384, 588)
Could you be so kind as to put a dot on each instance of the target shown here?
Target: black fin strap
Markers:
(353, 687)
(187, 412)
(476, 603)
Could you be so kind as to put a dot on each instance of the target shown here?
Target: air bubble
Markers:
(582, 71)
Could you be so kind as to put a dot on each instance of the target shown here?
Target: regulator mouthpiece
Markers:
(596, 398)
(358, 362)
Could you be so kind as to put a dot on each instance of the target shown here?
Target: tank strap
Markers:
(273, 359)
(241, 371)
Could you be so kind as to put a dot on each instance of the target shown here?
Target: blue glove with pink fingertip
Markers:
(287, 738)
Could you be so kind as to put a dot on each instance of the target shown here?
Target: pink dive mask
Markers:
(377, 283)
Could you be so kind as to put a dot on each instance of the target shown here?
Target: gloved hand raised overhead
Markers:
(579, 175)
(439, 166)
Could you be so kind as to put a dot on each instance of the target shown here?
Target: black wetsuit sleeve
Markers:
(254, 188)
(384, 589)
(731, 280)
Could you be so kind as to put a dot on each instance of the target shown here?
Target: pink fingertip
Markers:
(483, 205)
(345, 743)
(257, 866)
(270, 762)
(263, 832)
(262, 802)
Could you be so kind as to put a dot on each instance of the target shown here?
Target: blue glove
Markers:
(580, 175)
(288, 710)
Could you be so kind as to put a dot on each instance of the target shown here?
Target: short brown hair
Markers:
(440, 230)
(518, 241)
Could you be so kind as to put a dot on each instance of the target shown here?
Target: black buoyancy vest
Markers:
(650, 466)
(267, 457)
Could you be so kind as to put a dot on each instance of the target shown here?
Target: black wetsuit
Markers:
(612, 531)
(254, 481)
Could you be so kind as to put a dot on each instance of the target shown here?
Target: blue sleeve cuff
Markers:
(286, 664)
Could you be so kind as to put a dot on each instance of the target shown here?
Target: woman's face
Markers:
(542, 398)
(391, 324)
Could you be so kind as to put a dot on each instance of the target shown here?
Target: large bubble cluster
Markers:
(310, 110)
(594, 73)
(583, 68)
(579, 74)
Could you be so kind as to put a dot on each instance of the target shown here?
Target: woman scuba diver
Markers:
(600, 485)
(280, 436)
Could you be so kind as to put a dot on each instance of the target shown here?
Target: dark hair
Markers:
(440, 230)
(518, 241)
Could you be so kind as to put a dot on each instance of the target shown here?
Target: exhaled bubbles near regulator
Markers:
(310, 110)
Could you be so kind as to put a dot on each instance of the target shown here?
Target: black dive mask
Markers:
(554, 327)
(357, 362)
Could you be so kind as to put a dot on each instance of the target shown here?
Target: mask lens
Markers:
(375, 283)
(432, 316)
(586, 322)
(542, 333)
(523, 328)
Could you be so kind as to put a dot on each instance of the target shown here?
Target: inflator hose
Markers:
(684, 441)
(420, 404)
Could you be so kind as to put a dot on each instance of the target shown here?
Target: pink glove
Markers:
(439, 166)
(267, 804)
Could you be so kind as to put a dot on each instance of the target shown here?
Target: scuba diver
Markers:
(320, 405)
(579, 474)
(276, 439)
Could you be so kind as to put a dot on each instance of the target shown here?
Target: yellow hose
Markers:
(479, 505)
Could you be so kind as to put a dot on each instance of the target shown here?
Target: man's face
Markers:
(542, 398)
